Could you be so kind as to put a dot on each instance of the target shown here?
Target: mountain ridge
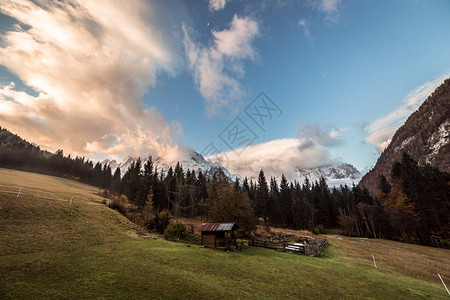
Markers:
(424, 136)
(335, 174)
(195, 161)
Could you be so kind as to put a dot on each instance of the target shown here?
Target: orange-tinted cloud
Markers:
(91, 63)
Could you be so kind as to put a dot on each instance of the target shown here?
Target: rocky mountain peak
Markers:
(424, 136)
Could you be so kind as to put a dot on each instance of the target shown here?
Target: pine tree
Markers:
(286, 202)
(262, 198)
(245, 186)
(236, 187)
(115, 182)
(274, 203)
(147, 181)
(201, 186)
(97, 172)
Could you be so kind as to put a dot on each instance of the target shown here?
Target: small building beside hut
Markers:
(218, 235)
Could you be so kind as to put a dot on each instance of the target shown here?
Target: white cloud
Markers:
(274, 157)
(381, 130)
(308, 150)
(305, 25)
(236, 41)
(215, 5)
(91, 63)
(216, 69)
(315, 134)
(329, 6)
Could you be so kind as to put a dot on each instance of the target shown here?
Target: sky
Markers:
(256, 84)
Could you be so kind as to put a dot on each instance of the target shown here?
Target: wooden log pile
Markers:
(315, 248)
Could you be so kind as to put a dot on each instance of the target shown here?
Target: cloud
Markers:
(328, 6)
(90, 63)
(309, 150)
(304, 24)
(315, 134)
(215, 5)
(216, 69)
(381, 130)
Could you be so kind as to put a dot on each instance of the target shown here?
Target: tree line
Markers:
(414, 208)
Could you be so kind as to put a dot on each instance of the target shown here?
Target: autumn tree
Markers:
(233, 207)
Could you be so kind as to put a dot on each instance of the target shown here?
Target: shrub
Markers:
(175, 231)
(160, 222)
(118, 203)
(193, 238)
(319, 230)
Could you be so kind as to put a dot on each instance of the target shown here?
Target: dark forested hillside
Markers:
(16, 153)
(424, 136)
(7, 137)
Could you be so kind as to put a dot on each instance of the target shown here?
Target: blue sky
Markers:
(156, 77)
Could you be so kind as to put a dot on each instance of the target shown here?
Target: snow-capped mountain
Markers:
(335, 175)
(194, 161)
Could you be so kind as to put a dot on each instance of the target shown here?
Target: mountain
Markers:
(194, 161)
(424, 136)
(335, 175)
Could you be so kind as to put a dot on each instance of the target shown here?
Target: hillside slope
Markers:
(53, 250)
(31, 224)
(6, 137)
(425, 136)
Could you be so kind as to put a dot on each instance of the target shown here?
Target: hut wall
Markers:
(209, 239)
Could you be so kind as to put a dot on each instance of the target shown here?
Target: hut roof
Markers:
(219, 226)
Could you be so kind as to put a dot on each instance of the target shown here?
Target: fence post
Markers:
(71, 200)
(19, 193)
(444, 283)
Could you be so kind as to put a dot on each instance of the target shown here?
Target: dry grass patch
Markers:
(61, 188)
(416, 261)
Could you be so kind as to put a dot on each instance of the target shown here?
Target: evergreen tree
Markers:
(245, 186)
(286, 202)
(201, 186)
(115, 182)
(236, 187)
(262, 198)
(147, 182)
(97, 171)
(274, 205)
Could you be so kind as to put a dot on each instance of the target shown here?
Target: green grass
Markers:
(50, 249)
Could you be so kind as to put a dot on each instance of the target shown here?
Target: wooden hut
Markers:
(218, 235)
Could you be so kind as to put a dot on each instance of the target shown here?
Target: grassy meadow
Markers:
(51, 249)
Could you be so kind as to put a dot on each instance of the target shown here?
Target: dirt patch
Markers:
(139, 233)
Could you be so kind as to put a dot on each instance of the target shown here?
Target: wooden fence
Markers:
(310, 248)
(267, 244)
